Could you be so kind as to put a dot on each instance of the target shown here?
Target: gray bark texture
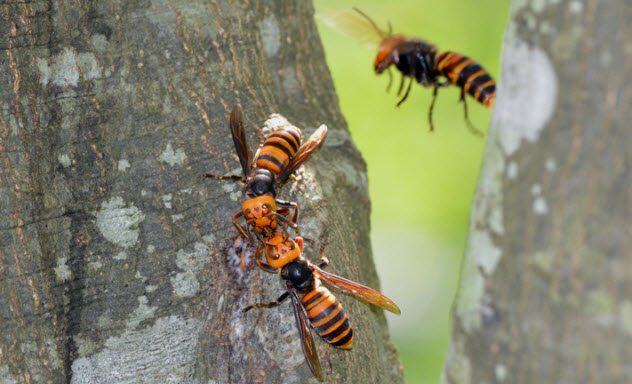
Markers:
(117, 260)
(546, 285)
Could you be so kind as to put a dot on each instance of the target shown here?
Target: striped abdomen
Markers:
(328, 318)
(468, 75)
(278, 149)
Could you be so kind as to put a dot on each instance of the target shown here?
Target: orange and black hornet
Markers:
(421, 62)
(276, 159)
(314, 305)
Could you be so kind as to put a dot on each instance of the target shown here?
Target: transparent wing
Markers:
(357, 290)
(307, 342)
(354, 25)
(308, 147)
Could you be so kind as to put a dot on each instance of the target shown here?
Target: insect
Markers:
(275, 160)
(419, 61)
(314, 305)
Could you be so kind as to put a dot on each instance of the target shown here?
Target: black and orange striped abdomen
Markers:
(467, 75)
(328, 318)
(278, 149)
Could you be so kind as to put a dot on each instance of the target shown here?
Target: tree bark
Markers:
(117, 262)
(546, 285)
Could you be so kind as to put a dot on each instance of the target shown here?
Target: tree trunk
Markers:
(117, 262)
(546, 285)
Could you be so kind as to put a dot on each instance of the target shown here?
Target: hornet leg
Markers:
(470, 126)
(401, 86)
(281, 215)
(268, 305)
(390, 80)
(291, 205)
(235, 178)
(265, 266)
(410, 84)
(435, 91)
(241, 229)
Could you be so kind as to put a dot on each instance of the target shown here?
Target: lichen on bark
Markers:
(113, 247)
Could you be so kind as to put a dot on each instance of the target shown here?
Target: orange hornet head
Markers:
(387, 53)
(282, 250)
(260, 211)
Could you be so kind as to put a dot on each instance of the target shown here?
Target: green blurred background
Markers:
(421, 184)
